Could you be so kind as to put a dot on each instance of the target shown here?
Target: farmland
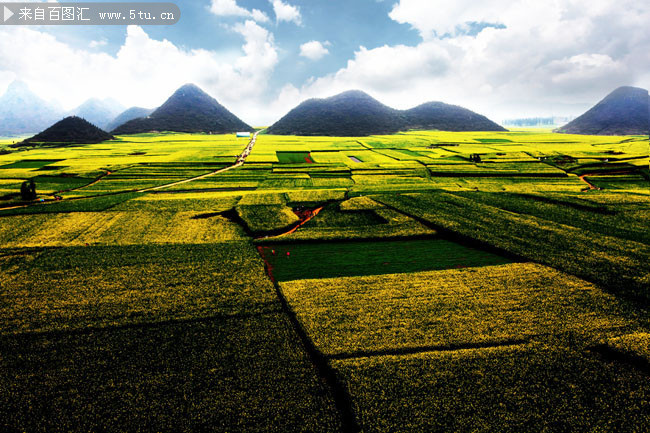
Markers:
(422, 281)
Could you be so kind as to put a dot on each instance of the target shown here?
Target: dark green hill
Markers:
(129, 114)
(189, 109)
(355, 113)
(72, 129)
(625, 111)
(352, 113)
(445, 117)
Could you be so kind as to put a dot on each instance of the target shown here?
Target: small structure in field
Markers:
(243, 135)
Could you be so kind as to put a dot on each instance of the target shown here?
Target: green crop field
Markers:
(326, 260)
(421, 281)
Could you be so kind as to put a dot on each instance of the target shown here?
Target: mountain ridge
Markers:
(99, 112)
(624, 111)
(189, 109)
(23, 112)
(129, 114)
(71, 130)
(355, 113)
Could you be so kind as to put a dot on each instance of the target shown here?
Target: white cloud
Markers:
(144, 71)
(431, 17)
(556, 57)
(386, 69)
(231, 8)
(260, 51)
(582, 68)
(314, 50)
(286, 12)
(98, 43)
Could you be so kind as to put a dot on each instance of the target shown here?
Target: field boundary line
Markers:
(445, 233)
(266, 308)
(340, 393)
(404, 351)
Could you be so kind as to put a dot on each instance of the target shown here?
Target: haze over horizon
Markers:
(260, 58)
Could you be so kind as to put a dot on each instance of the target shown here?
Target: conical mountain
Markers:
(189, 109)
(129, 114)
(23, 112)
(625, 111)
(445, 117)
(70, 130)
(352, 113)
(99, 112)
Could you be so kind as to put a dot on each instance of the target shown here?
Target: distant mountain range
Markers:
(129, 114)
(99, 112)
(189, 109)
(355, 113)
(625, 111)
(23, 112)
(539, 121)
(72, 129)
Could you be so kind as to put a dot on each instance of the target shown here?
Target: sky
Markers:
(260, 58)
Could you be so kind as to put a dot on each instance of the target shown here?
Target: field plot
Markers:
(599, 212)
(518, 388)
(29, 164)
(335, 259)
(195, 375)
(117, 228)
(128, 284)
(452, 308)
(77, 204)
(260, 219)
(294, 157)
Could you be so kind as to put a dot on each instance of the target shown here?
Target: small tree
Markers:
(28, 190)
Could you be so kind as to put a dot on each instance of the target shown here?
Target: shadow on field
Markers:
(197, 375)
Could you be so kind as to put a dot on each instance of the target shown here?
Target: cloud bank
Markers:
(521, 58)
(144, 71)
(554, 57)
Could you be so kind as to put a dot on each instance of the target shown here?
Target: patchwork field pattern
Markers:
(423, 281)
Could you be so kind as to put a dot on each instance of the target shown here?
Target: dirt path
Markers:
(590, 186)
(606, 173)
(240, 161)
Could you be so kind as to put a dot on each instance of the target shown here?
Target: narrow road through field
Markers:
(240, 161)
(590, 186)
